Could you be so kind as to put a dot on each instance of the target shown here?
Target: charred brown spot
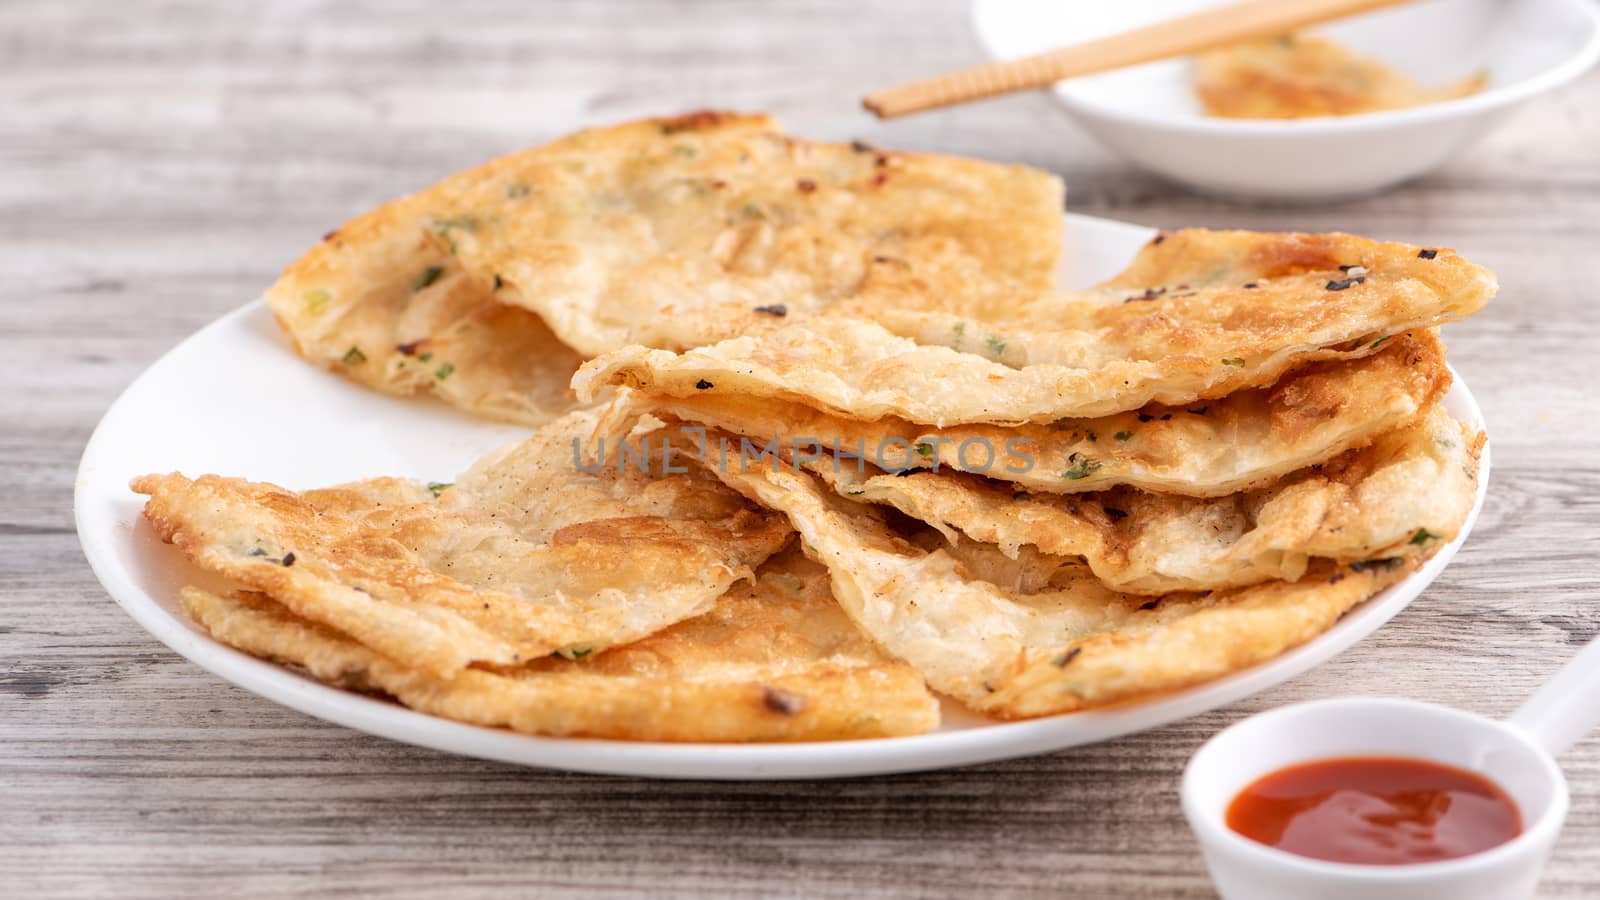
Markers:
(695, 121)
(1156, 241)
(776, 309)
(288, 559)
(862, 147)
(410, 348)
(703, 384)
(1065, 659)
(331, 235)
(1115, 513)
(782, 702)
(879, 179)
(1427, 254)
(805, 185)
(1149, 605)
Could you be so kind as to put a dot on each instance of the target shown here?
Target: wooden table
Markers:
(160, 162)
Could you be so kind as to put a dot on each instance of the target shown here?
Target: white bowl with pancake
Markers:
(1149, 114)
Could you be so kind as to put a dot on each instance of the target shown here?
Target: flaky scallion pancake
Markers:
(381, 302)
(1214, 448)
(774, 660)
(1030, 637)
(1395, 498)
(523, 556)
(1038, 635)
(1299, 76)
(1198, 315)
(678, 232)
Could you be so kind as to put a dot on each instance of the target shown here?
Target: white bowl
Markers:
(1355, 726)
(1150, 116)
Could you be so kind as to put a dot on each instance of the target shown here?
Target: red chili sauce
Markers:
(1380, 811)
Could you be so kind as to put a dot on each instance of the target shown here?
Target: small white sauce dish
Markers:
(1517, 754)
(1149, 114)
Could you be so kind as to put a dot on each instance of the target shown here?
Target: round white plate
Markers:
(234, 399)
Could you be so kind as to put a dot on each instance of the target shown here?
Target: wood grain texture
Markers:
(161, 161)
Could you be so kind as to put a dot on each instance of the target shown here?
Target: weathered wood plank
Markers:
(160, 161)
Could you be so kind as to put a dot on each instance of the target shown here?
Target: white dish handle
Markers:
(1566, 707)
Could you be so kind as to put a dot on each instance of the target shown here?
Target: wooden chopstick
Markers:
(1176, 37)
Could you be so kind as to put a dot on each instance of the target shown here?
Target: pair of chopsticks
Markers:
(1177, 37)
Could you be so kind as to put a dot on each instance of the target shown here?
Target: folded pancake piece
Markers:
(776, 660)
(524, 556)
(1300, 75)
(1396, 497)
(382, 303)
(1035, 636)
(677, 232)
(1197, 315)
(1214, 448)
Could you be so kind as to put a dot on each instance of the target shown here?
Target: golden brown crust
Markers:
(1394, 498)
(1038, 635)
(1197, 315)
(678, 232)
(1241, 441)
(381, 303)
(775, 660)
(1302, 76)
(524, 556)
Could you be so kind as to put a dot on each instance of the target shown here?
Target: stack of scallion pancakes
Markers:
(816, 440)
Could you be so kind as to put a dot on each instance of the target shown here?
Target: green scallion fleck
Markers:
(353, 357)
(444, 371)
(924, 450)
(1123, 435)
(437, 487)
(1083, 468)
(445, 228)
(428, 276)
(316, 300)
(516, 191)
(1422, 536)
(1234, 361)
(997, 347)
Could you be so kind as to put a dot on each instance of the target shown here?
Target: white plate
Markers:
(234, 399)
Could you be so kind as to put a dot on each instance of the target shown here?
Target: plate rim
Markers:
(984, 743)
